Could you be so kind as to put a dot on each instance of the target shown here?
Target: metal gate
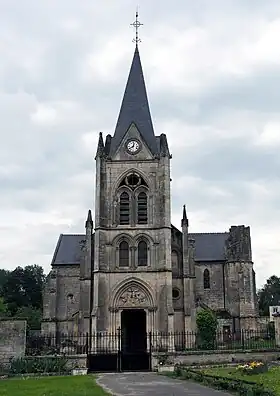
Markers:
(107, 353)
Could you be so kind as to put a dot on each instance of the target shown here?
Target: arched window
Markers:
(142, 253)
(124, 254)
(206, 279)
(174, 261)
(124, 208)
(142, 208)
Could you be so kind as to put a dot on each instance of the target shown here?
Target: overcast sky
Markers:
(213, 79)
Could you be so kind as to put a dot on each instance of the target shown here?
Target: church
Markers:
(131, 268)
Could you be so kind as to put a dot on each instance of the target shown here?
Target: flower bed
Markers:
(237, 386)
(253, 368)
(269, 379)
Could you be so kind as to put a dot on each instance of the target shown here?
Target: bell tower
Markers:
(132, 247)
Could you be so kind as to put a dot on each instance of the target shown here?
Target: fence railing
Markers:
(112, 343)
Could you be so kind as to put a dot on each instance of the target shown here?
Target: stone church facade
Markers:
(132, 267)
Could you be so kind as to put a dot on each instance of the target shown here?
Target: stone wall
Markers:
(12, 339)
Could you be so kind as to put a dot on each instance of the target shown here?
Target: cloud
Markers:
(270, 136)
(212, 73)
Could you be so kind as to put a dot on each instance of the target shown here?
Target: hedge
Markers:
(37, 365)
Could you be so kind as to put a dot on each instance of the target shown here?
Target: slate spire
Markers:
(135, 107)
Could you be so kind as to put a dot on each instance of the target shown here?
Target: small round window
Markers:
(175, 293)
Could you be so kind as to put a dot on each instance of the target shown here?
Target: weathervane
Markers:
(136, 24)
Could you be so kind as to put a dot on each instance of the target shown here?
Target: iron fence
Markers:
(192, 341)
(113, 343)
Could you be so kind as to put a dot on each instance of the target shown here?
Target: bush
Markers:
(164, 359)
(207, 323)
(240, 387)
(38, 365)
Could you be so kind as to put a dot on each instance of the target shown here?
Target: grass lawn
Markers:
(51, 386)
(270, 380)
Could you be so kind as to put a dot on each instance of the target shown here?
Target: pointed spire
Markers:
(100, 146)
(185, 221)
(89, 222)
(135, 108)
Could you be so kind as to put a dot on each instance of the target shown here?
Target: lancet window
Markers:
(142, 253)
(124, 208)
(124, 254)
(206, 279)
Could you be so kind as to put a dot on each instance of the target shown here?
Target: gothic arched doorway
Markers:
(133, 313)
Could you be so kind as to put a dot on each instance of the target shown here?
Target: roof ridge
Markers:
(210, 233)
(82, 234)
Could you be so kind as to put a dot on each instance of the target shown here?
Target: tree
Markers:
(13, 292)
(3, 308)
(3, 278)
(32, 284)
(269, 295)
(207, 323)
(23, 287)
(32, 315)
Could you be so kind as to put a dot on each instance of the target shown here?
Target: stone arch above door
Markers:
(131, 294)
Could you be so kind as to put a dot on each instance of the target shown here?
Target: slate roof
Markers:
(209, 246)
(135, 108)
(68, 249)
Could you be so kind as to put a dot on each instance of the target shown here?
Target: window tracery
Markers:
(133, 204)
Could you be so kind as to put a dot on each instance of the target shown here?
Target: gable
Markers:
(121, 152)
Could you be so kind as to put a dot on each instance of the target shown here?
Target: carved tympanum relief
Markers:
(133, 297)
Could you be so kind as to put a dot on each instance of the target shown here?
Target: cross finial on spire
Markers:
(136, 24)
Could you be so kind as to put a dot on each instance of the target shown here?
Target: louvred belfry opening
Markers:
(142, 209)
(124, 208)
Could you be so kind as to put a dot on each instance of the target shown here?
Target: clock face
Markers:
(133, 146)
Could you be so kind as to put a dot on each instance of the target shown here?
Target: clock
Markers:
(133, 146)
